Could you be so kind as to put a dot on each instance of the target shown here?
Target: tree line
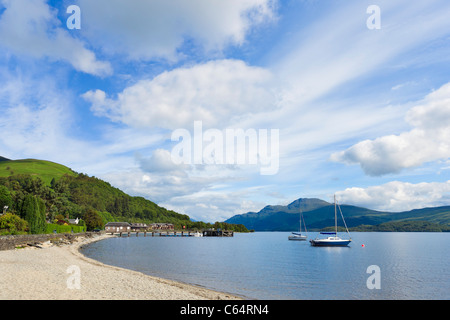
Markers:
(32, 204)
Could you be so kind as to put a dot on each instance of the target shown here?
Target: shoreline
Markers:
(64, 273)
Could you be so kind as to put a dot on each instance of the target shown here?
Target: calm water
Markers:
(266, 265)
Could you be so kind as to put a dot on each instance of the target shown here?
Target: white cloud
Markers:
(35, 116)
(161, 162)
(428, 140)
(158, 28)
(39, 121)
(398, 196)
(337, 48)
(214, 205)
(31, 28)
(215, 92)
(181, 190)
(207, 193)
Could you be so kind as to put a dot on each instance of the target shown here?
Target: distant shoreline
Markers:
(48, 273)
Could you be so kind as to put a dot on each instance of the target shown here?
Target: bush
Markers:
(12, 224)
(93, 220)
(64, 229)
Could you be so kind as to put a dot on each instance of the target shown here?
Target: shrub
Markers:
(12, 224)
(64, 228)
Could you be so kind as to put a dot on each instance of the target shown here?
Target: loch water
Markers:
(266, 265)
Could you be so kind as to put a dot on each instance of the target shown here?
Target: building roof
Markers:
(117, 224)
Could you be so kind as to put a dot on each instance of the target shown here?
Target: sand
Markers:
(63, 273)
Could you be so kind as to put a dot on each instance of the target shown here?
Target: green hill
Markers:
(404, 226)
(46, 170)
(77, 195)
(319, 214)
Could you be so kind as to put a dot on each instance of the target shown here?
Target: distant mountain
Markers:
(319, 214)
(3, 159)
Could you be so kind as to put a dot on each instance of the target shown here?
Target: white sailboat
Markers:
(299, 235)
(332, 240)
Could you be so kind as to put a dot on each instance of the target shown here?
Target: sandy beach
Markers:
(63, 273)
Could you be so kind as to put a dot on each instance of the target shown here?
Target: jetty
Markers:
(164, 233)
(217, 233)
(161, 230)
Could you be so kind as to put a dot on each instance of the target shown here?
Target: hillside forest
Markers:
(38, 207)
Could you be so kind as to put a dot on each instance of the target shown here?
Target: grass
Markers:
(46, 170)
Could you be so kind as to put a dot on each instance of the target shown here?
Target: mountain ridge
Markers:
(319, 214)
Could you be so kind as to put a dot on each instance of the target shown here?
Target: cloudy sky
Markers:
(359, 103)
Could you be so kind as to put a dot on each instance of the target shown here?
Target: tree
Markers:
(5, 198)
(92, 219)
(33, 211)
(53, 183)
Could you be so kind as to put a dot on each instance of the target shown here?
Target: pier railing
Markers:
(175, 233)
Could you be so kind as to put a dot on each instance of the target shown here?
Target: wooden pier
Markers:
(218, 233)
(166, 233)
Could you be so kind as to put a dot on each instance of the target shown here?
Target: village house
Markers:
(74, 221)
(162, 226)
(139, 227)
(118, 227)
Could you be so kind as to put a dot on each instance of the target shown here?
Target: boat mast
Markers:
(335, 216)
(300, 221)
(304, 224)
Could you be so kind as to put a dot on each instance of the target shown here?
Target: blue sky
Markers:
(363, 113)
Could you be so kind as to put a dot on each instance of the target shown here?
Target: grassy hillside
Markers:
(434, 214)
(404, 226)
(46, 170)
(72, 195)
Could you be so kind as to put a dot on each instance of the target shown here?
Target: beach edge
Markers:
(43, 273)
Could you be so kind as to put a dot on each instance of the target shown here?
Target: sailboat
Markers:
(332, 240)
(299, 235)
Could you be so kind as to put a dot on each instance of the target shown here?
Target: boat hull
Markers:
(297, 238)
(329, 243)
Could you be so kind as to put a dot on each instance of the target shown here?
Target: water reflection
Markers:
(265, 265)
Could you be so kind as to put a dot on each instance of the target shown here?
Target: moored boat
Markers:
(332, 240)
(298, 235)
